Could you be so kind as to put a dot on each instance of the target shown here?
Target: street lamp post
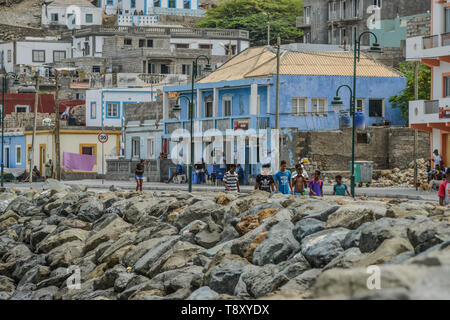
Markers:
(191, 111)
(337, 102)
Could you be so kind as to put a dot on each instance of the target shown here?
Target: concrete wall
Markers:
(62, 12)
(387, 147)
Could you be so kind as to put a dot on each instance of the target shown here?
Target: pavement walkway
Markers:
(99, 185)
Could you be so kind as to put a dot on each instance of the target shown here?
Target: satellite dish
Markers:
(47, 121)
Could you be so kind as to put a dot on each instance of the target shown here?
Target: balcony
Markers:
(179, 12)
(428, 47)
(221, 124)
(423, 112)
(303, 22)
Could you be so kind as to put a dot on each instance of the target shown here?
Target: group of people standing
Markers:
(286, 182)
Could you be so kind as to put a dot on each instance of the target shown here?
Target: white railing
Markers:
(179, 12)
(137, 20)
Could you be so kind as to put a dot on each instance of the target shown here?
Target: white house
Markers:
(71, 13)
(20, 55)
(175, 7)
(434, 51)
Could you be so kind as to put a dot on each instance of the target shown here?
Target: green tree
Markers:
(402, 99)
(251, 15)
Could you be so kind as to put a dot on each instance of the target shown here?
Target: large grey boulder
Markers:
(386, 228)
(350, 217)
(189, 277)
(203, 293)
(307, 226)
(278, 245)
(352, 238)
(426, 235)
(322, 247)
(198, 211)
(90, 209)
(315, 209)
(224, 277)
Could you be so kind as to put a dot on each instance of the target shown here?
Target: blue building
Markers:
(14, 150)
(241, 94)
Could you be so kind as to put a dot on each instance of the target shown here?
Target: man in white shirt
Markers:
(437, 158)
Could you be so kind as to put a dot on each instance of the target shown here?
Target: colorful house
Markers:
(76, 140)
(241, 94)
(14, 150)
(434, 51)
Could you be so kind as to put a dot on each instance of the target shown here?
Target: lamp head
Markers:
(207, 68)
(336, 104)
(176, 107)
(376, 48)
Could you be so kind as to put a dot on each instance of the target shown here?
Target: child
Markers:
(283, 179)
(231, 180)
(316, 185)
(264, 181)
(340, 188)
(299, 181)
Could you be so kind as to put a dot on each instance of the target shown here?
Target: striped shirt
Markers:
(230, 180)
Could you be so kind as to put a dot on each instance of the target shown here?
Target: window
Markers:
(18, 155)
(165, 69)
(109, 2)
(376, 107)
(208, 108)
(172, 4)
(299, 106)
(359, 105)
(112, 110)
(9, 55)
(141, 43)
(447, 20)
(151, 148)
(149, 43)
(186, 69)
(356, 8)
(21, 108)
(152, 68)
(307, 15)
(362, 138)
(182, 45)
(319, 106)
(227, 50)
(54, 17)
(308, 37)
(93, 110)
(186, 4)
(58, 56)
(377, 3)
(96, 69)
(127, 41)
(132, 4)
(89, 18)
(205, 46)
(446, 86)
(157, 3)
(227, 106)
(38, 55)
(89, 149)
(135, 147)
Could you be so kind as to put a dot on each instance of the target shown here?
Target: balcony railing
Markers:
(431, 107)
(436, 41)
(445, 39)
(303, 21)
(179, 12)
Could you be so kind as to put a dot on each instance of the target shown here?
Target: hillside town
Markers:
(224, 149)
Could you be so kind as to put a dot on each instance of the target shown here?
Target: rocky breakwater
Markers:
(69, 243)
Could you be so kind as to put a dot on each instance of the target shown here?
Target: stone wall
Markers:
(144, 111)
(387, 147)
(418, 27)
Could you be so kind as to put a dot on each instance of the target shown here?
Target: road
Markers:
(97, 185)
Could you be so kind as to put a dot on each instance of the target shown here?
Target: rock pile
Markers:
(397, 177)
(68, 243)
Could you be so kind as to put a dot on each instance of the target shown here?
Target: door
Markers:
(151, 148)
(42, 157)
(6, 157)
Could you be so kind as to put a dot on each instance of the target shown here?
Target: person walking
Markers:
(240, 173)
(444, 190)
(316, 185)
(264, 181)
(299, 181)
(231, 180)
(49, 169)
(340, 188)
(283, 179)
(139, 174)
(437, 158)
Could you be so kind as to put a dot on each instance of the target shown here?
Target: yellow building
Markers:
(81, 140)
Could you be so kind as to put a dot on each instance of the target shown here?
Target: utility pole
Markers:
(36, 104)
(278, 84)
(268, 29)
(57, 140)
(230, 53)
(416, 97)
